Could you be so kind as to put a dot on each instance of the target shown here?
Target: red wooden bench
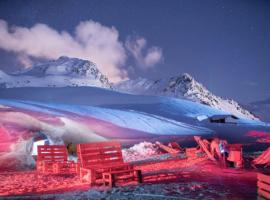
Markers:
(263, 183)
(102, 163)
(54, 159)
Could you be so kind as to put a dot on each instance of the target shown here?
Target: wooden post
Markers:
(139, 174)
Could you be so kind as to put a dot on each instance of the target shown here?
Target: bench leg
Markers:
(139, 175)
(88, 175)
(108, 179)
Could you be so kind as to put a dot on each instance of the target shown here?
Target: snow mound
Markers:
(141, 151)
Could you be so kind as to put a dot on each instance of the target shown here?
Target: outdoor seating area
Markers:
(98, 163)
(101, 164)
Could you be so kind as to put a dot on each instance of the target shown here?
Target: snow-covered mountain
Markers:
(62, 72)
(186, 87)
(74, 72)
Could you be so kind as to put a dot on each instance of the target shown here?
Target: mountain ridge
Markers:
(186, 87)
(75, 72)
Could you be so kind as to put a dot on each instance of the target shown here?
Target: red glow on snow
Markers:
(23, 183)
(262, 137)
(184, 170)
(5, 140)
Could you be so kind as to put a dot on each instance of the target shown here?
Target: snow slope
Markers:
(88, 114)
(185, 87)
(62, 72)
(126, 110)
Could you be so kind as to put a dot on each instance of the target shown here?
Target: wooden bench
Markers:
(54, 159)
(102, 163)
(263, 183)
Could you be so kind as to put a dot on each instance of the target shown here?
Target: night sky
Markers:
(225, 45)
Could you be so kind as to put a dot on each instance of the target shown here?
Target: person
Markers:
(71, 148)
(223, 148)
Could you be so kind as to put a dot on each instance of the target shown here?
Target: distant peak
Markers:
(187, 77)
(64, 58)
(67, 59)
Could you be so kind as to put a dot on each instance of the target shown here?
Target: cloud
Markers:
(90, 40)
(145, 58)
(25, 60)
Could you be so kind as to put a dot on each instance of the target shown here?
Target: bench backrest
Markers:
(52, 153)
(101, 153)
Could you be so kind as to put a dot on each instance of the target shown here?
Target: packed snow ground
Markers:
(175, 179)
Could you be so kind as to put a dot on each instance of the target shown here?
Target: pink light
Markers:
(262, 137)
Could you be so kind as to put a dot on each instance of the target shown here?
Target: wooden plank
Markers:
(114, 160)
(107, 168)
(264, 178)
(263, 186)
(106, 144)
(120, 177)
(112, 156)
(90, 152)
(97, 155)
(54, 154)
(264, 158)
(100, 152)
(264, 194)
(103, 163)
(168, 149)
(106, 151)
(201, 144)
(103, 152)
